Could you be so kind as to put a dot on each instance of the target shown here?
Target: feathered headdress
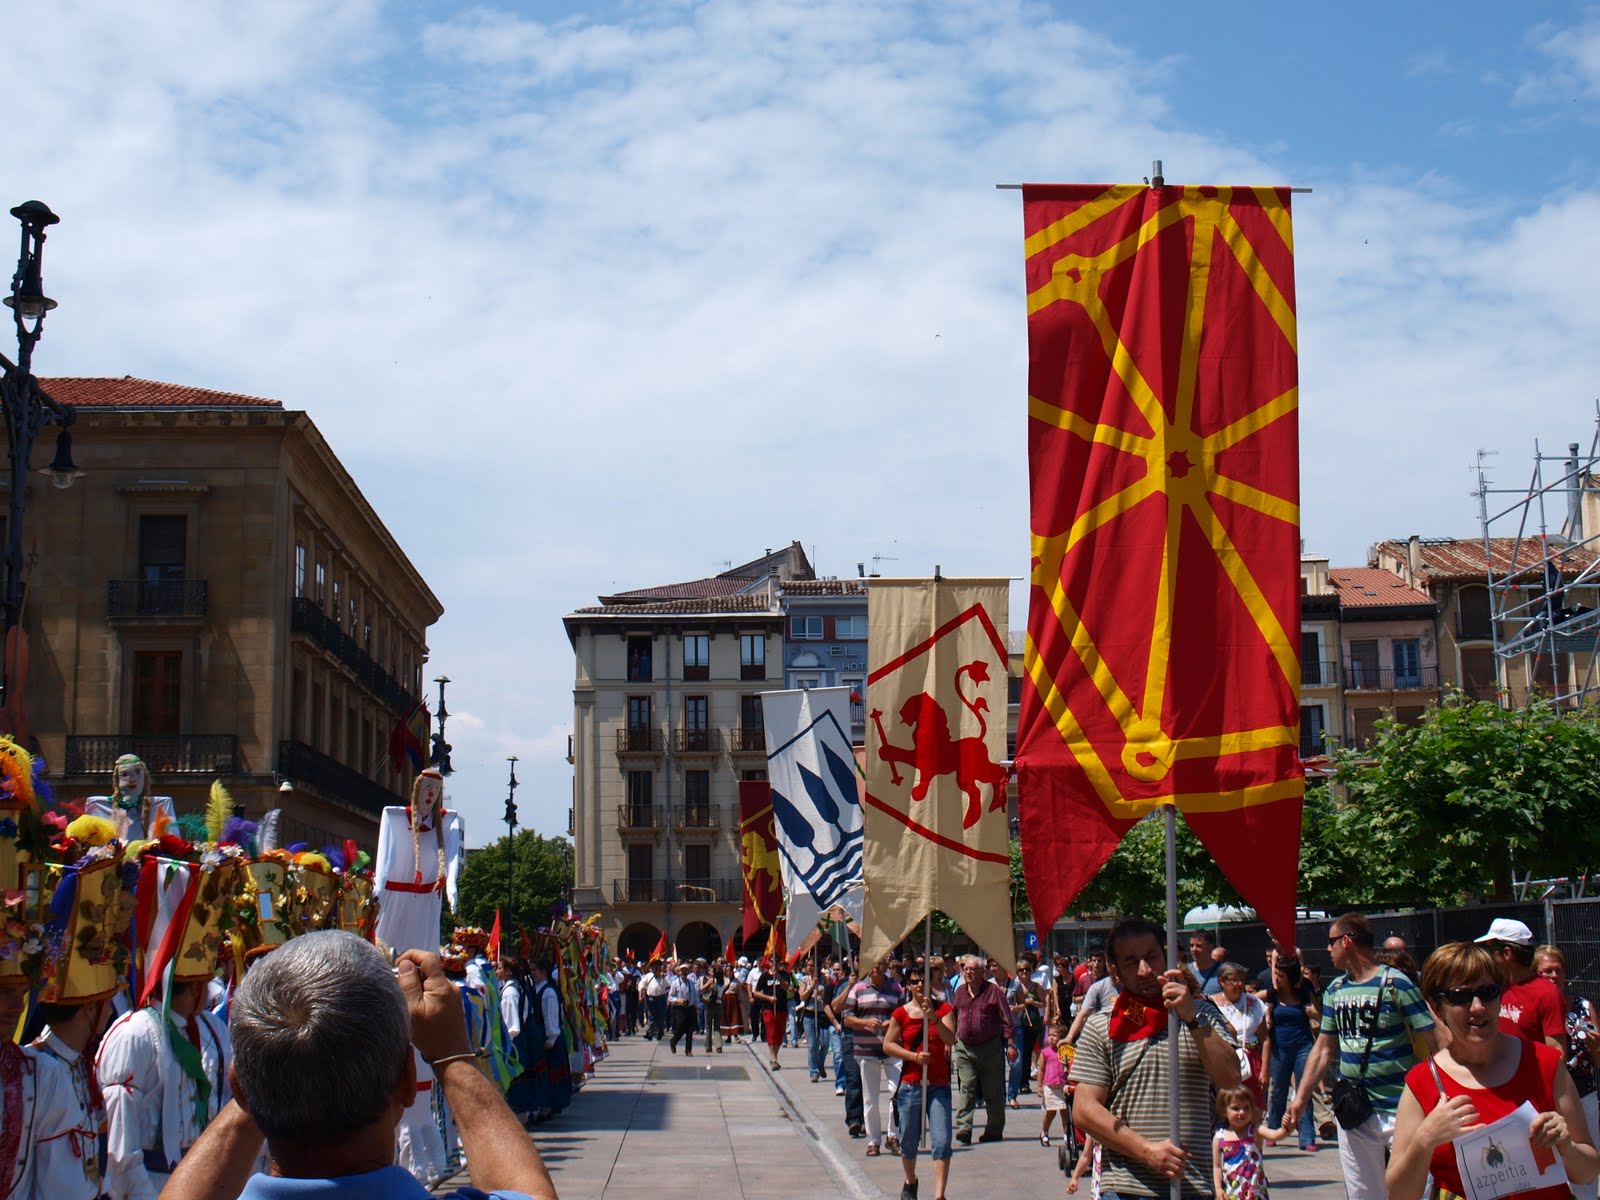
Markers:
(16, 778)
(218, 810)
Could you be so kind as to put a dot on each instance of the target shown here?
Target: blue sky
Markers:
(591, 298)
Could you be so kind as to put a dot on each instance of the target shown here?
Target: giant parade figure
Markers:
(419, 859)
(130, 808)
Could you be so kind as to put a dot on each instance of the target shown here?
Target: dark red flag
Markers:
(758, 857)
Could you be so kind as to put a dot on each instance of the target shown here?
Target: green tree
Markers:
(1443, 811)
(541, 874)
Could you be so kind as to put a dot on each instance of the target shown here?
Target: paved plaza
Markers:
(652, 1125)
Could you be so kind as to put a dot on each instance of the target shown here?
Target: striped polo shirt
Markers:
(1347, 1009)
(867, 1001)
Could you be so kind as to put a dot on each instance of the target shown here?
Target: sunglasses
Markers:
(1461, 997)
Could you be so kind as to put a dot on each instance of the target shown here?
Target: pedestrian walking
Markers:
(1368, 1016)
(1248, 1016)
(1053, 1083)
(712, 985)
(1026, 1000)
(919, 1035)
(1238, 1170)
(680, 1008)
(985, 1045)
(1292, 1019)
(867, 1010)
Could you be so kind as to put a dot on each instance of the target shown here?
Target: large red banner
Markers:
(758, 857)
(1164, 622)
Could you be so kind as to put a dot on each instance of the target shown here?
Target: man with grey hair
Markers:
(323, 1031)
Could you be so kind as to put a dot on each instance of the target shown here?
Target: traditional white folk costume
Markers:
(36, 1111)
(130, 807)
(419, 859)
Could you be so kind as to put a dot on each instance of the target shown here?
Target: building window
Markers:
(314, 733)
(157, 693)
(1364, 664)
(697, 864)
(850, 629)
(1013, 689)
(696, 656)
(1313, 730)
(696, 713)
(753, 775)
(638, 713)
(641, 872)
(299, 568)
(1407, 663)
(1310, 658)
(338, 609)
(752, 656)
(322, 586)
(355, 613)
(1476, 617)
(641, 794)
(1478, 673)
(750, 714)
(639, 656)
(697, 791)
(805, 629)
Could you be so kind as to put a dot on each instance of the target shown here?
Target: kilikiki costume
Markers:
(130, 808)
(419, 857)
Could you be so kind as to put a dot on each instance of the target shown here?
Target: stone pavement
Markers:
(651, 1125)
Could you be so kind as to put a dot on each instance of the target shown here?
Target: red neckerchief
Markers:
(11, 1096)
(1133, 1021)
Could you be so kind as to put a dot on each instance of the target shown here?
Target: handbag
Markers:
(1349, 1100)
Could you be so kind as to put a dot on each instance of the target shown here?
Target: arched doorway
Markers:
(697, 939)
(641, 938)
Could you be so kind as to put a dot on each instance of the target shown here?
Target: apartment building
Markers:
(1389, 647)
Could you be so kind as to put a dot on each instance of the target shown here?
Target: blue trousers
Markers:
(816, 1045)
(836, 1047)
(1287, 1062)
(909, 1104)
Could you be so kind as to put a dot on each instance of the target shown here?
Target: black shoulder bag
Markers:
(1350, 1103)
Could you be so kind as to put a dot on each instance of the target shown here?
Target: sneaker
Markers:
(908, 1191)
(838, 1091)
(1044, 1139)
(858, 1130)
(964, 1136)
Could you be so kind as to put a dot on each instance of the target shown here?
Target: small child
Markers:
(1053, 1081)
(1091, 1154)
(1237, 1170)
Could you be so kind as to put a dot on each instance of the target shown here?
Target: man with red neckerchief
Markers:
(1122, 1073)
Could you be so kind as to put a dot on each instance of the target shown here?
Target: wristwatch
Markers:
(1191, 1022)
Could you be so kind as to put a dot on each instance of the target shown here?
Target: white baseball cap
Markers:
(1503, 929)
(743, 961)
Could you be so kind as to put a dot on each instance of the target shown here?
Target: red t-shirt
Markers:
(1533, 1081)
(1533, 1009)
(911, 1033)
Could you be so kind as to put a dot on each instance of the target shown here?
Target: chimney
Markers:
(1574, 495)
(861, 570)
(1414, 558)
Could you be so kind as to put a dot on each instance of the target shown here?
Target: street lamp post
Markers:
(441, 748)
(511, 843)
(28, 409)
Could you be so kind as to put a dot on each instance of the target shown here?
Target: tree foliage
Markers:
(1444, 811)
(541, 873)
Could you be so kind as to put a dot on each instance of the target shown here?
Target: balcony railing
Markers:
(1362, 677)
(639, 741)
(186, 754)
(858, 714)
(678, 891)
(305, 616)
(752, 670)
(155, 598)
(697, 741)
(748, 741)
(303, 764)
(1474, 630)
(638, 817)
(696, 816)
(1314, 673)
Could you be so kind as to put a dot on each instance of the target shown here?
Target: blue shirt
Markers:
(387, 1183)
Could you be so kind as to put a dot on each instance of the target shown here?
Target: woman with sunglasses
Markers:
(1480, 1076)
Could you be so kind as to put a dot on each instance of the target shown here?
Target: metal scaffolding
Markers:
(1542, 555)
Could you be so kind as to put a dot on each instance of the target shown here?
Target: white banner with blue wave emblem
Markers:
(816, 801)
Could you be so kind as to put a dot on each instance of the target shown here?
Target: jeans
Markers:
(853, 1114)
(1017, 1073)
(1289, 1062)
(1364, 1156)
(910, 1113)
(838, 1056)
(875, 1071)
(816, 1045)
(658, 1016)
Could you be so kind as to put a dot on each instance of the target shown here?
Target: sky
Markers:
(591, 297)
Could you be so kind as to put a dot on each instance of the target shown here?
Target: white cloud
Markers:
(600, 302)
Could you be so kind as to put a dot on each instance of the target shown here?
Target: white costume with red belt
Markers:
(69, 1159)
(409, 887)
(35, 1109)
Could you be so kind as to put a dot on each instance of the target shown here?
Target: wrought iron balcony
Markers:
(748, 741)
(1362, 677)
(1314, 673)
(304, 765)
(186, 754)
(696, 816)
(640, 741)
(639, 818)
(858, 714)
(155, 598)
(678, 891)
(697, 741)
(307, 617)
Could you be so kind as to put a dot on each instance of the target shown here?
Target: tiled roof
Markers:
(754, 602)
(128, 392)
(1368, 587)
(717, 585)
(825, 587)
(1463, 558)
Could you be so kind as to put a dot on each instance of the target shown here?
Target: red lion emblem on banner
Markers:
(934, 752)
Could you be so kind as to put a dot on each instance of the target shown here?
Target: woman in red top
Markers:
(907, 1038)
(1484, 1075)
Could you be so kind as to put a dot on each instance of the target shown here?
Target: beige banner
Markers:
(935, 813)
